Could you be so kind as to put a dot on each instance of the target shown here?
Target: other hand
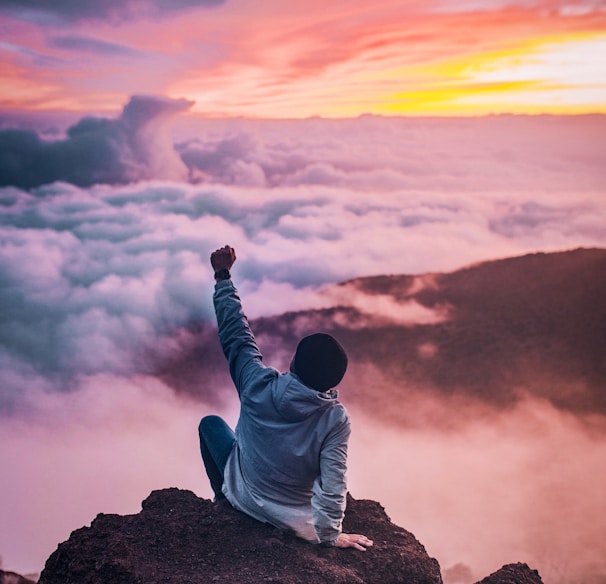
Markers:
(223, 258)
(354, 540)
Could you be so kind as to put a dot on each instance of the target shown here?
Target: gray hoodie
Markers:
(288, 464)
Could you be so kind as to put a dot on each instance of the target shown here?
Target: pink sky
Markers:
(299, 59)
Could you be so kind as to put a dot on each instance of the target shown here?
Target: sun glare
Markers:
(559, 75)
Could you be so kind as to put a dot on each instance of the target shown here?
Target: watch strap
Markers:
(222, 274)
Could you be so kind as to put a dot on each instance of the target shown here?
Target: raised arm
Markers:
(237, 340)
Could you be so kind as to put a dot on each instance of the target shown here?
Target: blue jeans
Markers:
(216, 441)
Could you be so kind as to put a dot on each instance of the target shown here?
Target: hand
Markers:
(223, 258)
(353, 540)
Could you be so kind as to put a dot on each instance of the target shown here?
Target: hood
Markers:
(295, 401)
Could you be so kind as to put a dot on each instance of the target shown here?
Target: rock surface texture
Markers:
(513, 574)
(179, 538)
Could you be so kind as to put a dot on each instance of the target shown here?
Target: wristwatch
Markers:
(222, 274)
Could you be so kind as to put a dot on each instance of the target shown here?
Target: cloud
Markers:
(566, 8)
(581, 8)
(25, 53)
(387, 309)
(394, 196)
(97, 150)
(305, 60)
(114, 11)
(223, 160)
(83, 44)
(86, 286)
(473, 5)
(103, 278)
(544, 157)
(102, 449)
(527, 217)
(521, 484)
(506, 153)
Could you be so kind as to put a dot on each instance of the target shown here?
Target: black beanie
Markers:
(320, 361)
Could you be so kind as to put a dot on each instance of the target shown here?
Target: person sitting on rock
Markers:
(286, 463)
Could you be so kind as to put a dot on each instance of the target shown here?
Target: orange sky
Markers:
(300, 59)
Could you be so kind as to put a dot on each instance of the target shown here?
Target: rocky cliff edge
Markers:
(179, 538)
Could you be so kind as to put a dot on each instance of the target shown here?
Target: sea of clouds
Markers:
(106, 229)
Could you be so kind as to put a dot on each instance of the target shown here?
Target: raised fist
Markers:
(223, 258)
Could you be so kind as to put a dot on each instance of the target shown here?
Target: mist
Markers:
(525, 483)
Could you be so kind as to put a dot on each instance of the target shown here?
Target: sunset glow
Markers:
(309, 59)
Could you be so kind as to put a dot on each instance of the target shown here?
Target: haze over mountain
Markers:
(493, 333)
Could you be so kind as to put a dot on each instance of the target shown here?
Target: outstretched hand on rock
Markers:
(223, 258)
(354, 540)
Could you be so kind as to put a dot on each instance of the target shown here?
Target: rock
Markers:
(513, 574)
(180, 538)
(13, 578)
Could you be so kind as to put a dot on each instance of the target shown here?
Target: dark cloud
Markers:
(88, 288)
(530, 216)
(115, 11)
(541, 160)
(82, 44)
(47, 127)
(39, 59)
(96, 150)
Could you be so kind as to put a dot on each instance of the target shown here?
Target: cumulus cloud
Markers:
(135, 146)
(88, 285)
(506, 154)
(114, 11)
(536, 161)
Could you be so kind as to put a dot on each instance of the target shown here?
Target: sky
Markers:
(324, 143)
(298, 59)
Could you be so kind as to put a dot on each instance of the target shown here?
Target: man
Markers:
(285, 465)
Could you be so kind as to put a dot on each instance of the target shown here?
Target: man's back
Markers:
(288, 436)
(286, 463)
(282, 430)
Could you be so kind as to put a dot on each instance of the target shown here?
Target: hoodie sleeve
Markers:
(237, 340)
(330, 488)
